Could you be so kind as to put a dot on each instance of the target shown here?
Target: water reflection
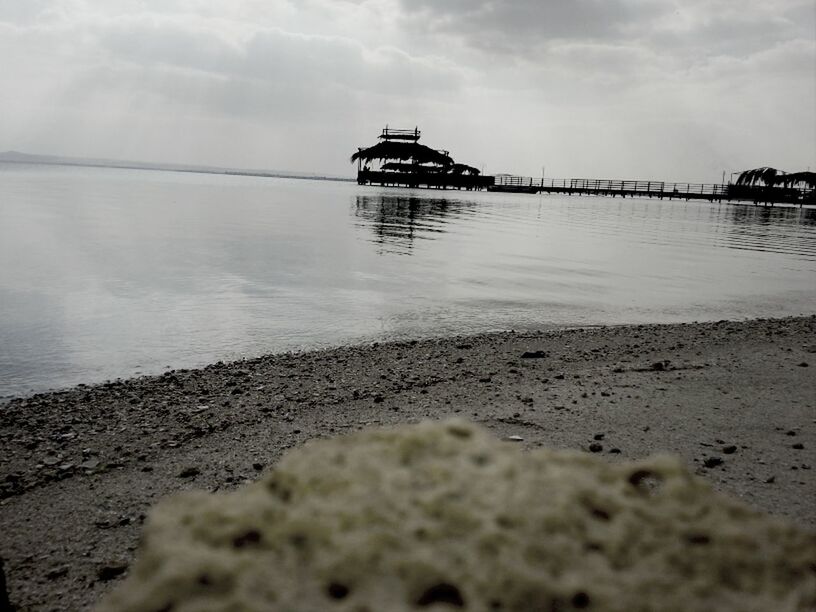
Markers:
(757, 215)
(774, 229)
(112, 272)
(397, 221)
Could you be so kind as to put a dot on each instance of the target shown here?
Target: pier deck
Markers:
(713, 192)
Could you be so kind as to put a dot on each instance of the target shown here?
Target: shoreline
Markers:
(81, 466)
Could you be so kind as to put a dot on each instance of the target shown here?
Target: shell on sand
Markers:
(443, 516)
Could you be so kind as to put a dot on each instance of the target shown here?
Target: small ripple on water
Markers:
(113, 269)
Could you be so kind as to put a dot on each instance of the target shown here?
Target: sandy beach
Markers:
(80, 468)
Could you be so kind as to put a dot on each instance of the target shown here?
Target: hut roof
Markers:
(771, 176)
(403, 151)
(807, 178)
(765, 174)
(465, 169)
(403, 167)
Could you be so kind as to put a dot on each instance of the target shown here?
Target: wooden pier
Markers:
(399, 160)
(614, 188)
(713, 192)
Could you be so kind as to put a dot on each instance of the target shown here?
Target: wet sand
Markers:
(80, 468)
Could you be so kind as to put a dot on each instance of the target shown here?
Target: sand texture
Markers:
(736, 401)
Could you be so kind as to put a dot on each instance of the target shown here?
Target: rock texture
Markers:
(443, 516)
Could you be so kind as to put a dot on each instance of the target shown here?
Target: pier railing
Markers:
(613, 187)
(647, 187)
(392, 134)
(713, 192)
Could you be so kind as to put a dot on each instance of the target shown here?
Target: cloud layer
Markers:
(588, 87)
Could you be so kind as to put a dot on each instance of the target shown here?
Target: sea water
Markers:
(109, 273)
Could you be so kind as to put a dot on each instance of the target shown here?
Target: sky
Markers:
(653, 89)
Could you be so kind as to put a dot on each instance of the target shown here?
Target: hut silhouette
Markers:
(767, 184)
(402, 161)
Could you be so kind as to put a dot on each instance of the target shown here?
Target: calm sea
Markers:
(112, 273)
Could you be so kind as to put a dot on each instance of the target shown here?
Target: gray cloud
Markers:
(270, 68)
(27, 12)
(520, 26)
(686, 32)
(590, 86)
(701, 30)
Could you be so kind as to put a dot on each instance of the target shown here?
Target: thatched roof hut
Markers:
(406, 167)
(765, 175)
(403, 151)
(771, 177)
(402, 161)
(465, 169)
(797, 179)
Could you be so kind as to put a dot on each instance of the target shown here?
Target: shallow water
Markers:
(108, 273)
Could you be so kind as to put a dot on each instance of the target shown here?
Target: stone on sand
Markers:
(442, 516)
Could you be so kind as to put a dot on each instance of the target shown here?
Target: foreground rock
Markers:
(441, 515)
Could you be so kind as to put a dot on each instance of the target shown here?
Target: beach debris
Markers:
(111, 570)
(443, 515)
(189, 472)
(798, 446)
(534, 354)
(515, 438)
(595, 447)
(712, 462)
(5, 601)
(729, 450)
(54, 574)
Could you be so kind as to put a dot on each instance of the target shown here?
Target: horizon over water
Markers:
(112, 273)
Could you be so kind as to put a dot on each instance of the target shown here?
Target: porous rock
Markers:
(442, 516)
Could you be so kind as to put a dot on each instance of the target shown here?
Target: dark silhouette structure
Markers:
(399, 160)
(403, 162)
(611, 187)
(763, 185)
(769, 185)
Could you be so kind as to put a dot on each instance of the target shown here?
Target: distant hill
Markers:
(17, 157)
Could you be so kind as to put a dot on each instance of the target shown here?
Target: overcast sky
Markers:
(662, 89)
